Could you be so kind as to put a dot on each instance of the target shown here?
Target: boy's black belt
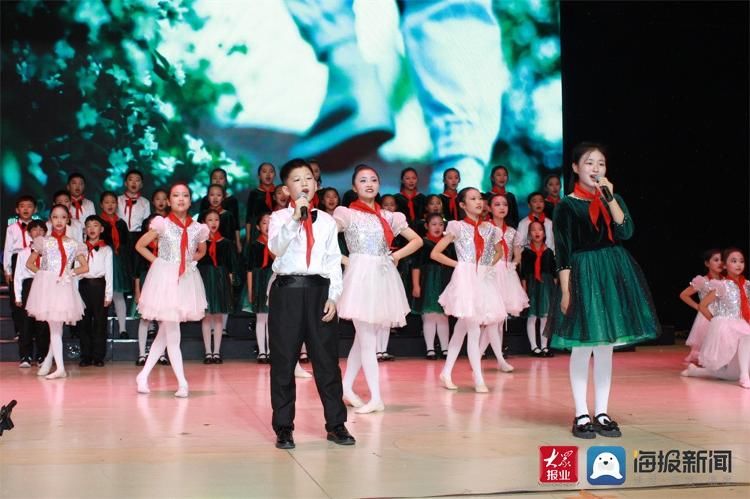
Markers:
(300, 281)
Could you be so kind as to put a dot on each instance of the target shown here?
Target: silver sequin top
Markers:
(50, 251)
(363, 231)
(170, 235)
(463, 241)
(701, 285)
(727, 303)
(509, 236)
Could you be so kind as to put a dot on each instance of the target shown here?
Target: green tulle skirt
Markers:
(218, 289)
(434, 280)
(122, 281)
(540, 295)
(259, 304)
(610, 302)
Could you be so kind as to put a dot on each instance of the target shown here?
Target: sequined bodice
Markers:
(51, 256)
(464, 243)
(169, 241)
(728, 305)
(510, 234)
(364, 234)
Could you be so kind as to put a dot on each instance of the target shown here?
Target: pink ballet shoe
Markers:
(447, 382)
(142, 385)
(353, 400)
(745, 382)
(482, 388)
(371, 406)
(504, 366)
(60, 373)
(182, 392)
(45, 368)
(301, 373)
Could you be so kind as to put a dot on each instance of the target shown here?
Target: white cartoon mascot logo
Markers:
(606, 463)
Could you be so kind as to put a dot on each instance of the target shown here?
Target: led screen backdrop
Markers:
(176, 88)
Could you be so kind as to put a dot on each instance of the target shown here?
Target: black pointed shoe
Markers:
(341, 436)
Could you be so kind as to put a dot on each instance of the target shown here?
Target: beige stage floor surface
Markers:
(92, 435)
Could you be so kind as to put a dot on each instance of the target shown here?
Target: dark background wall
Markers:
(665, 87)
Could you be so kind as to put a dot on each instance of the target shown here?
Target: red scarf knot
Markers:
(434, 239)
(503, 229)
(452, 205)
(499, 190)
(91, 246)
(154, 247)
(744, 304)
(183, 239)
(315, 201)
(478, 240)
(541, 218)
(552, 199)
(307, 224)
(22, 226)
(129, 203)
(112, 221)
(410, 203)
(78, 204)
(59, 236)
(263, 239)
(268, 189)
(387, 231)
(538, 262)
(596, 208)
(215, 238)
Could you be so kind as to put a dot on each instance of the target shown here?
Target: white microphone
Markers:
(303, 209)
(605, 190)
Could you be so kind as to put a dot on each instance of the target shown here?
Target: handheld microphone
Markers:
(303, 209)
(605, 190)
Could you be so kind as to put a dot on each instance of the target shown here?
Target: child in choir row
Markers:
(54, 296)
(539, 282)
(122, 263)
(473, 295)
(699, 285)
(32, 333)
(74, 229)
(81, 208)
(499, 179)
(16, 239)
(259, 271)
(229, 226)
(451, 179)
(218, 176)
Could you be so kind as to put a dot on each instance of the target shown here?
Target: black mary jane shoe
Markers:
(608, 428)
(340, 435)
(304, 359)
(141, 361)
(284, 439)
(547, 353)
(262, 358)
(444, 354)
(431, 355)
(537, 352)
(164, 360)
(388, 357)
(584, 430)
(217, 359)
(208, 359)
(379, 356)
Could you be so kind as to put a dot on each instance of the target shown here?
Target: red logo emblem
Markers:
(558, 464)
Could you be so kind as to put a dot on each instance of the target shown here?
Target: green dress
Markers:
(216, 278)
(540, 293)
(610, 302)
(261, 275)
(433, 278)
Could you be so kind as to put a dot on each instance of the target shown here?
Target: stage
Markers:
(92, 435)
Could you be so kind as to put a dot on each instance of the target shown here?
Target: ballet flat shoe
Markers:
(182, 392)
(353, 400)
(447, 382)
(481, 388)
(370, 407)
(60, 373)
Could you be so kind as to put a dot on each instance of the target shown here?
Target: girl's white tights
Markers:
(531, 331)
(579, 376)
(55, 352)
(384, 334)
(432, 323)
(470, 329)
(212, 323)
(261, 332)
(168, 337)
(492, 334)
(119, 300)
(364, 355)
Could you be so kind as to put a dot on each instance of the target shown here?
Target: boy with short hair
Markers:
(81, 208)
(16, 239)
(536, 214)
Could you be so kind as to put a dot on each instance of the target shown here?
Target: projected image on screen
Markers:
(178, 88)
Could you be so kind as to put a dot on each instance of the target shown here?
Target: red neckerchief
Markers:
(266, 254)
(91, 247)
(61, 247)
(538, 262)
(452, 206)
(78, 203)
(478, 241)
(410, 203)
(22, 226)
(434, 239)
(269, 194)
(220, 209)
(183, 239)
(215, 238)
(113, 226)
(129, 203)
(315, 201)
(154, 247)
(541, 218)
(744, 304)
(308, 225)
(553, 200)
(38, 261)
(595, 208)
(499, 190)
(503, 229)
(387, 231)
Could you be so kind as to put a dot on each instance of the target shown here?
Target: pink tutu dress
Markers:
(514, 297)
(726, 328)
(167, 295)
(55, 298)
(700, 324)
(474, 290)
(373, 290)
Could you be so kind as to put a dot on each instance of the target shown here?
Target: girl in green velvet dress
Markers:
(604, 298)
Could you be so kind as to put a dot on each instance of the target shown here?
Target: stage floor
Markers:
(92, 435)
